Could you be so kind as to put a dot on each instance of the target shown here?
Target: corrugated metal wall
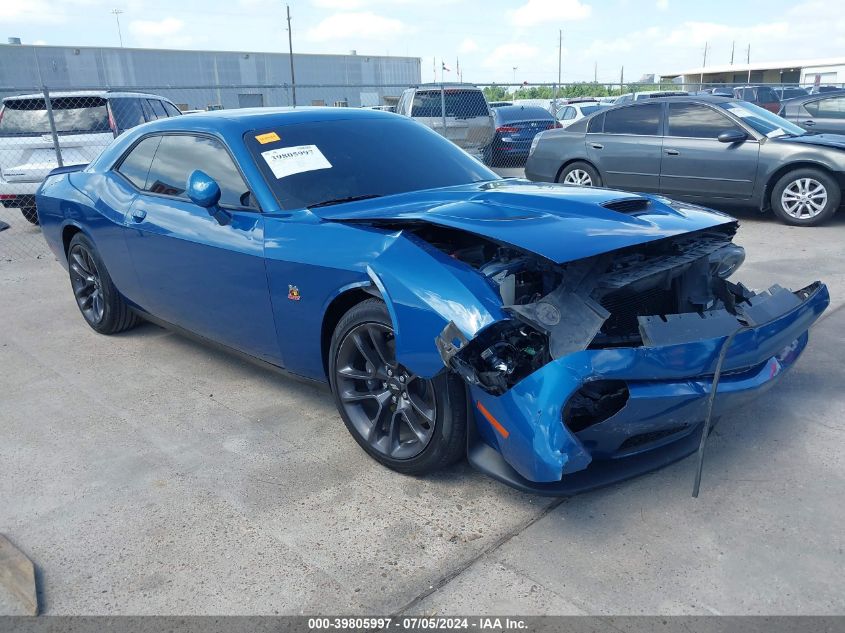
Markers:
(268, 74)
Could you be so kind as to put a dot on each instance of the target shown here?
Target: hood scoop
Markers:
(628, 205)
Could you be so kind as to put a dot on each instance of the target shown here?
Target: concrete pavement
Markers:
(145, 473)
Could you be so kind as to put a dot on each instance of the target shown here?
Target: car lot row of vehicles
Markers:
(501, 134)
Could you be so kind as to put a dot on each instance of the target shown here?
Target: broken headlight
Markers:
(725, 261)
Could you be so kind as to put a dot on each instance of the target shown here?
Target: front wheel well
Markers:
(575, 160)
(766, 201)
(339, 306)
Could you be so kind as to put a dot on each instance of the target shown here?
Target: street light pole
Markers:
(117, 13)
(290, 54)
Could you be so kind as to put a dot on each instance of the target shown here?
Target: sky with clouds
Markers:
(495, 40)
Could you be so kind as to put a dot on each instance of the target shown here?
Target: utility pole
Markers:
(621, 79)
(595, 72)
(514, 74)
(290, 54)
(748, 61)
(117, 13)
(559, 65)
(703, 64)
(733, 46)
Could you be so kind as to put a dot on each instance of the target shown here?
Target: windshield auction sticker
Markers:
(287, 161)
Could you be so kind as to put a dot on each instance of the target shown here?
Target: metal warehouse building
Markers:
(210, 79)
(803, 71)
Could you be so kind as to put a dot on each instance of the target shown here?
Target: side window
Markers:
(833, 108)
(157, 108)
(171, 109)
(180, 154)
(640, 120)
(127, 113)
(693, 120)
(596, 124)
(136, 166)
(569, 113)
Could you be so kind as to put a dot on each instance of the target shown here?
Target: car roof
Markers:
(105, 94)
(675, 98)
(513, 112)
(241, 120)
(816, 96)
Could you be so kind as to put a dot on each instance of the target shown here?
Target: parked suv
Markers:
(86, 122)
(468, 120)
(762, 96)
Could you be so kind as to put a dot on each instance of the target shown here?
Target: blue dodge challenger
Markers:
(559, 337)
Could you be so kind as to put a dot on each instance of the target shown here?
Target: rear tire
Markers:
(410, 424)
(580, 174)
(101, 305)
(30, 214)
(805, 197)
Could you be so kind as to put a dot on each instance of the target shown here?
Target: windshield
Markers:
(312, 163)
(28, 117)
(762, 120)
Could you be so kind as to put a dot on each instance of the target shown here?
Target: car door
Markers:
(194, 271)
(627, 151)
(696, 164)
(825, 115)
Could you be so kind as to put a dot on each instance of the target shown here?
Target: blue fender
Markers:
(424, 290)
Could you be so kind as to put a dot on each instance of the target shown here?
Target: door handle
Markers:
(597, 145)
(673, 152)
(809, 123)
(138, 215)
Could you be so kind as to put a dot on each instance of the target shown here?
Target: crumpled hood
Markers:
(559, 223)
(837, 141)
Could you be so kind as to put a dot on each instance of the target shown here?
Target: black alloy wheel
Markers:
(392, 409)
(411, 424)
(100, 303)
(87, 284)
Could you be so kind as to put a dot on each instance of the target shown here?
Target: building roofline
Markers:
(776, 65)
(192, 50)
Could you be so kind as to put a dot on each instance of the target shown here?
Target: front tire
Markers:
(30, 214)
(580, 174)
(408, 423)
(101, 305)
(805, 197)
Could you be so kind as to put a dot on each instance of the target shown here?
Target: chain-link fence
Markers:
(41, 129)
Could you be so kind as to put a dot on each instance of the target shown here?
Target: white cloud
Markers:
(506, 56)
(469, 45)
(544, 11)
(363, 25)
(662, 4)
(30, 11)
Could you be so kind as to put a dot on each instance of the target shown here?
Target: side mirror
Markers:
(203, 190)
(732, 136)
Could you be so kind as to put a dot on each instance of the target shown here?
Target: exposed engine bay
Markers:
(643, 295)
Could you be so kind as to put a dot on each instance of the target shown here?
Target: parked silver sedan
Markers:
(705, 149)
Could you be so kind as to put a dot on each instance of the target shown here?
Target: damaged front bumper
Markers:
(522, 437)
